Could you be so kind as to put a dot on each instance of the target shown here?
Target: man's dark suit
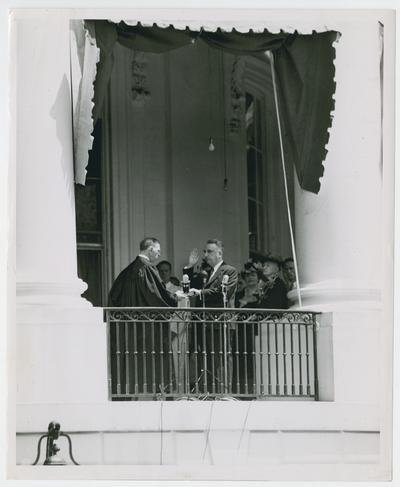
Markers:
(212, 297)
(212, 291)
(275, 296)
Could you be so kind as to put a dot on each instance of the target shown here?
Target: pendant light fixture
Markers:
(211, 146)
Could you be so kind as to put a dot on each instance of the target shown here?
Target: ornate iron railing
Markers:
(197, 353)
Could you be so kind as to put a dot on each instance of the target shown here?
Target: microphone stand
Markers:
(223, 382)
(225, 301)
(204, 334)
(183, 340)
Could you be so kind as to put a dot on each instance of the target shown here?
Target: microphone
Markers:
(224, 283)
(204, 277)
(185, 283)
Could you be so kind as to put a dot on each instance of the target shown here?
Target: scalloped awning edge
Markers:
(227, 26)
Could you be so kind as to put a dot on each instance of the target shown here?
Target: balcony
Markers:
(207, 354)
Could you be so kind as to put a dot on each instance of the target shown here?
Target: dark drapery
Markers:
(305, 81)
(304, 69)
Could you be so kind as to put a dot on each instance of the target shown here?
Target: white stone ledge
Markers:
(206, 472)
(59, 314)
(191, 415)
(335, 295)
(51, 293)
(211, 448)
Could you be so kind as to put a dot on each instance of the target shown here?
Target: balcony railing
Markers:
(197, 353)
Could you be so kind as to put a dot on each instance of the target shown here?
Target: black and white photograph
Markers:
(201, 246)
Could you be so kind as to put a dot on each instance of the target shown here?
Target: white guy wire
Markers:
(270, 55)
(161, 433)
(244, 425)
(208, 430)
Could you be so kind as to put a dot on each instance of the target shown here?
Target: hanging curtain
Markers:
(84, 59)
(305, 80)
(305, 76)
(106, 37)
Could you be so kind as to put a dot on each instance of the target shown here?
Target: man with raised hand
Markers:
(220, 279)
(211, 292)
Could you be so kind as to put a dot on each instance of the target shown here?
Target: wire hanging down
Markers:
(224, 125)
(208, 431)
(161, 434)
(270, 56)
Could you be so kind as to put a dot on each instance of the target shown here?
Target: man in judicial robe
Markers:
(139, 285)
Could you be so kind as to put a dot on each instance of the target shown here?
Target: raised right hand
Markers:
(193, 258)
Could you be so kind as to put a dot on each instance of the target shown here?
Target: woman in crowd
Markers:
(264, 286)
(249, 296)
(274, 295)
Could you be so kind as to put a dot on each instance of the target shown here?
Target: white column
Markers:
(61, 339)
(339, 231)
(46, 242)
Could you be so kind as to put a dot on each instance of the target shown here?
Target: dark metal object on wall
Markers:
(52, 448)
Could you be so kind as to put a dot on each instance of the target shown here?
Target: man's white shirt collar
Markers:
(217, 266)
(144, 257)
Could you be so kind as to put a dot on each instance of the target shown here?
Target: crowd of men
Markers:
(208, 282)
(263, 283)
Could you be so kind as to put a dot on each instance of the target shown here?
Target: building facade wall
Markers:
(165, 181)
(358, 324)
